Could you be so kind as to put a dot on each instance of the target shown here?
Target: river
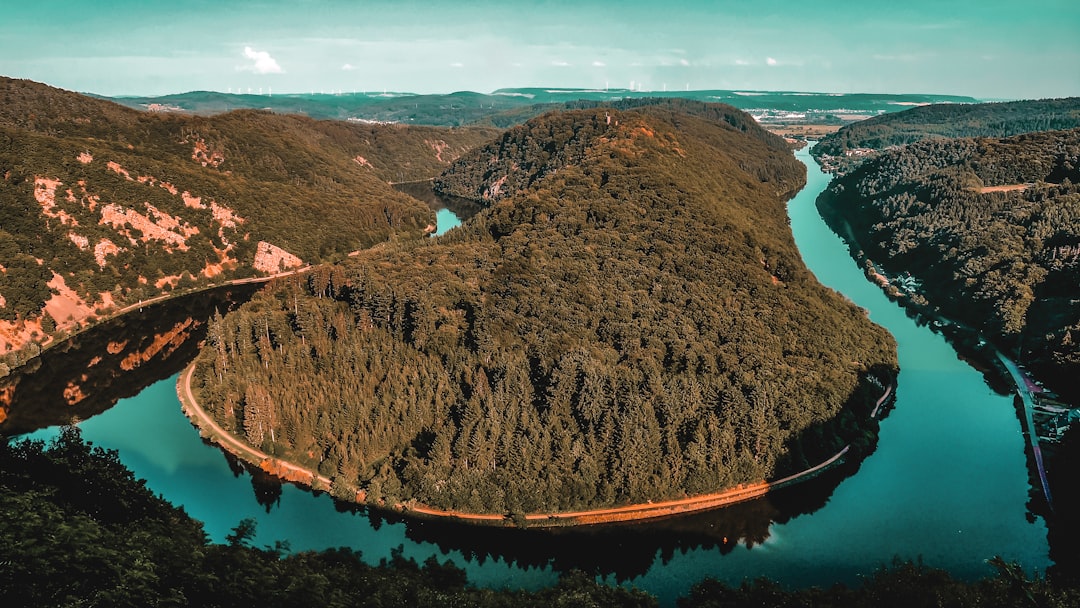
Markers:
(948, 482)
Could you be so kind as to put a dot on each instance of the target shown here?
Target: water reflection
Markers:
(462, 208)
(90, 372)
(622, 552)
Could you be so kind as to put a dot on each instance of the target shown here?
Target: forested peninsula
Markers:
(991, 230)
(628, 320)
(103, 206)
(842, 151)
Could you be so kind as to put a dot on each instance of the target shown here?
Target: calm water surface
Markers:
(948, 482)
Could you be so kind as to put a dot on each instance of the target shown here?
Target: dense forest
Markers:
(992, 229)
(524, 156)
(629, 320)
(845, 149)
(133, 204)
(77, 529)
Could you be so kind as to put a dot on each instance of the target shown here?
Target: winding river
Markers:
(948, 482)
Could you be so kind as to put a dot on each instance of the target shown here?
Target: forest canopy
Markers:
(845, 149)
(126, 205)
(628, 320)
(991, 227)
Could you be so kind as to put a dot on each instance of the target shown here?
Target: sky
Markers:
(989, 49)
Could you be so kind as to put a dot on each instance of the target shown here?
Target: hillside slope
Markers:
(628, 321)
(102, 205)
(845, 149)
(991, 227)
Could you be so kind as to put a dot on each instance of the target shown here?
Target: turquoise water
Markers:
(445, 220)
(948, 482)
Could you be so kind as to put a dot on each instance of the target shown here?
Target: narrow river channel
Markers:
(948, 482)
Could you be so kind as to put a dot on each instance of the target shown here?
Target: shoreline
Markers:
(974, 344)
(44, 346)
(286, 471)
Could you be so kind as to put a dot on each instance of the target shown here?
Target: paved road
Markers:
(166, 296)
(1022, 384)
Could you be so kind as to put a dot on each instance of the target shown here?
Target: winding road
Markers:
(1024, 392)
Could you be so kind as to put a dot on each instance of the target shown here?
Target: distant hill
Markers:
(628, 320)
(102, 206)
(991, 227)
(843, 150)
(463, 179)
(507, 107)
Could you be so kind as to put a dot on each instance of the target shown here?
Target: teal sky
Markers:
(982, 48)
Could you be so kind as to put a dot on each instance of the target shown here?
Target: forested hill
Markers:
(630, 322)
(843, 150)
(991, 227)
(524, 155)
(101, 205)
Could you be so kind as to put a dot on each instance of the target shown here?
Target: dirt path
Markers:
(1023, 390)
(628, 513)
(1006, 188)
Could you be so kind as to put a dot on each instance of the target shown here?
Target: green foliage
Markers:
(944, 121)
(77, 529)
(628, 321)
(901, 585)
(1004, 262)
(316, 189)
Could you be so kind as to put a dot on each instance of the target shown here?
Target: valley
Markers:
(715, 361)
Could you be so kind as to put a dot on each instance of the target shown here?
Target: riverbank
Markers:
(294, 473)
(979, 351)
(60, 337)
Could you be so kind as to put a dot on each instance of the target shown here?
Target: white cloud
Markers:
(599, 64)
(741, 62)
(684, 62)
(348, 67)
(457, 64)
(263, 62)
(770, 61)
(560, 63)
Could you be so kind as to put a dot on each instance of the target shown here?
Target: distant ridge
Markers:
(841, 151)
(508, 106)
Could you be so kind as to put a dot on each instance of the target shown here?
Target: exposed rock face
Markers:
(271, 258)
(103, 248)
(440, 146)
(201, 153)
(163, 227)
